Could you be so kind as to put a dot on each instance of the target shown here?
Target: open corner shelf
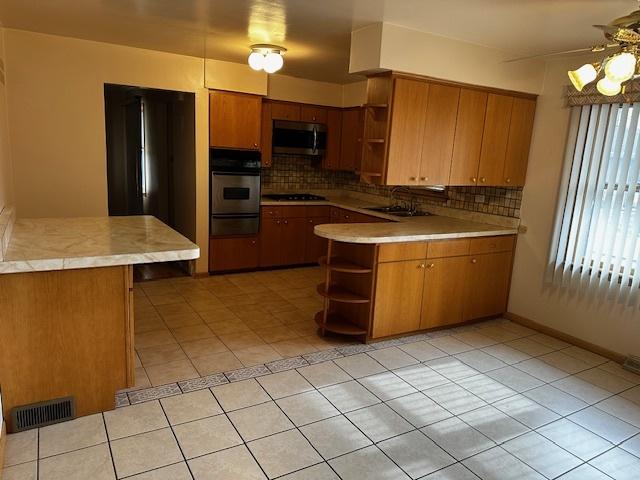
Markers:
(339, 294)
(374, 140)
(375, 105)
(336, 323)
(337, 264)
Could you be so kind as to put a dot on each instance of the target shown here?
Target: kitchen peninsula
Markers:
(66, 307)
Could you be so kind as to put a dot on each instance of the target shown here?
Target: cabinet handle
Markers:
(253, 242)
(314, 118)
(474, 179)
(431, 265)
(508, 180)
(255, 145)
(474, 260)
(412, 178)
(310, 221)
(424, 178)
(483, 179)
(286, 222)
(277, 222)
(421, 265)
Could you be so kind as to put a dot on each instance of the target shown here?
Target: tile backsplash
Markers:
(300, 173)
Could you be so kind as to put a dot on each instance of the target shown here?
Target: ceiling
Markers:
(316, 32)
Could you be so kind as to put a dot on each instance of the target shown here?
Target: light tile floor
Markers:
(493, 401)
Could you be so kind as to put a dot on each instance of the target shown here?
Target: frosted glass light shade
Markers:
(621, 67)
(256, 60)
(608, 87)
(582, 76)
(273, 62)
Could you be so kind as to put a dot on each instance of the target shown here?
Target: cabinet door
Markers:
(285, 111)
(312, 113)
(315, 246)
(443, 291)
(468, 138)
(407, 130)
(351, 140)
(294, 233)
(520, 130)
(486, 285)
(235, 120)
(233, 253)
(494, 139)
(331, 159)
(398, 299)
(270, 242)
(439, 131)
(266, 140)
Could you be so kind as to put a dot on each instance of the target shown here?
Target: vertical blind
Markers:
(596, 243)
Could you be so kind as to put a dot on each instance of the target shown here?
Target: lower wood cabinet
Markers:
(233, 253)
(452, 282)
(292, 246)
(315, 246)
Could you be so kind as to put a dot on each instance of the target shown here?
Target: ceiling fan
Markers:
(623, 36)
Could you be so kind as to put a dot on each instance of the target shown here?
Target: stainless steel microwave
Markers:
(299, 138)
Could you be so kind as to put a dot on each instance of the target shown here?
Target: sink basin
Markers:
(398, 211)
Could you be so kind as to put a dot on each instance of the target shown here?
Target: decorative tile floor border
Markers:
(132, 397)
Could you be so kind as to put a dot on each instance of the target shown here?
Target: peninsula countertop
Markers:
(399, 229)
(43, 244)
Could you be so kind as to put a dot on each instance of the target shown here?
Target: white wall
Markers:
(606, 324)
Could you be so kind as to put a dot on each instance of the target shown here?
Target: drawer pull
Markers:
(431, 265)
(474, 260)
(421, 265)
(474, 179)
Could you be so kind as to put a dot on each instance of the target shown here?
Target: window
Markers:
(597, 237)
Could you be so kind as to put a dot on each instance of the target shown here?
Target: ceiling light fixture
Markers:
(266, 57)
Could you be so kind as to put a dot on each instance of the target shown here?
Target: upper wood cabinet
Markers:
(333, 121)
(439, 132)
(494, 139)
(468, 137)
(313, 113)
(351, 138)
(520, 130)
(421, 132)
(266, 136)
(410, 100)
(285, 111)
(235, 120)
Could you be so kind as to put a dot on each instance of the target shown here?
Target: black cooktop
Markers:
(293, 197)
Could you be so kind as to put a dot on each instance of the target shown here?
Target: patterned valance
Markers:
(590, 95)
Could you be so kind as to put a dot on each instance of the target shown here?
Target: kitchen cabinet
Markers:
(315, 246)
(270, 242)
(410, 99)
(439, 132)
(398, 297)
(420, 132)
(293, 240)
(468, 137)
(486, 285)
(519, 141)
(235, 120)
(266, 136)
(286, 111)
(443, 291)
(331, 160)
(351, 139)
(233, 253)
(313, 114)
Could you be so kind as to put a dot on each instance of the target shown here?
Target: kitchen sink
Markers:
(398, 211)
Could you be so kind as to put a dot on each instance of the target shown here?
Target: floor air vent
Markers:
(632, 363)
(42, 413)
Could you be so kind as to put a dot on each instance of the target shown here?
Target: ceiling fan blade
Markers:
(627, 20)
(553, 54)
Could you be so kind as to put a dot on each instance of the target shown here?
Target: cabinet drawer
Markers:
(448, 248)
(502, 243)
(318, 211)
(270, 212)
(394, 252)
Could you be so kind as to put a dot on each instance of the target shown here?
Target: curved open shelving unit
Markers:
(338, 264)
(336, 323)
(339, 294)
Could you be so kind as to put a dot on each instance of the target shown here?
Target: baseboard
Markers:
(552, 332)
(3, 441)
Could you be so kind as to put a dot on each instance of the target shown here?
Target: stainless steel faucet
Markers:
(412, 201)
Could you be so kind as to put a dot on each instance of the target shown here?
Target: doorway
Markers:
(150, 137)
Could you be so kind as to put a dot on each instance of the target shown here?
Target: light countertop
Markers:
(43, 244)
(401, 229)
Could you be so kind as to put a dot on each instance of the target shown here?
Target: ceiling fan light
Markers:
(256, 60)
(621, 67)
(273, 62)
(608, 87)
(583, 76)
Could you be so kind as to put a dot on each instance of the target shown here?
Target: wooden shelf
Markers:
(340, 265)
(336, 323)
(374, 140)
(338, 294)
